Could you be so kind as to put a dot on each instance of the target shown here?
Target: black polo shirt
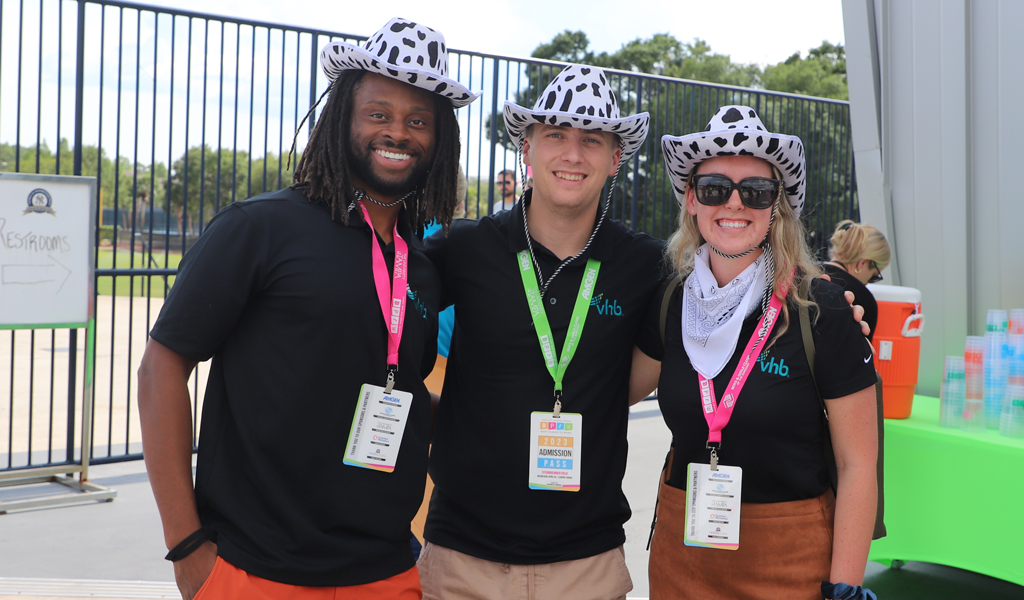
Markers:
(775, 433)
(861, 294)
(282, 298)
(482, 504)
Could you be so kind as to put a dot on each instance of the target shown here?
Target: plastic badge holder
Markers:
(974, 405)
(953, 394)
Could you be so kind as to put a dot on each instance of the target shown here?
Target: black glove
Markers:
(845, 591)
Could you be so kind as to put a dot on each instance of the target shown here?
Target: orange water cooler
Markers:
(897, 343)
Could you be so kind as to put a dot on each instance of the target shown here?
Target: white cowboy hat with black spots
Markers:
(737, 131)
(579, 97)
(403, 50)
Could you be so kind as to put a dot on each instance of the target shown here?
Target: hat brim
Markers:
(341, 56)
(632, 130)
(786, 152)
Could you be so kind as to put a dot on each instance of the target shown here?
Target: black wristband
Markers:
(189, 545)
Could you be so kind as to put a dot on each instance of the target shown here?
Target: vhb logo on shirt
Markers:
(606, 307)
(768, 365)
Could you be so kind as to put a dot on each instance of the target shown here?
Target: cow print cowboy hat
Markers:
(403, 50)
(737, 131)
(579, 97)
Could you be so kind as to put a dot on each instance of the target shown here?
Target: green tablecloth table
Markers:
(952, 497)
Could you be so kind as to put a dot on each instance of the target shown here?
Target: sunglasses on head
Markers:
(758, 193)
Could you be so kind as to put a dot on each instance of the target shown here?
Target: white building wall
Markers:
(946, 78)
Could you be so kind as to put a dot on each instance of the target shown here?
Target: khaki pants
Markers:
(449, 575)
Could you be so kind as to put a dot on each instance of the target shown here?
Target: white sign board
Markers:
(47, 224)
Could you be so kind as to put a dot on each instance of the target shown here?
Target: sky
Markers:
(739, 28)
(749, 31)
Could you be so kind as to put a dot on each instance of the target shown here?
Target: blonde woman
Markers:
(857, 256)
(733, 333)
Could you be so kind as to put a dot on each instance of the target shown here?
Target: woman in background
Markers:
(857, 255)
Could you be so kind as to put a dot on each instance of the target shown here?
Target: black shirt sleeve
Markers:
(842, 358)
(215, 280)
(436, 248)
(649, 337)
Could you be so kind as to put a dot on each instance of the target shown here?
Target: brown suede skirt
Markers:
(785, 552)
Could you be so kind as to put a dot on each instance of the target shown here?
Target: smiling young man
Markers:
(528, 456)
(319, 310)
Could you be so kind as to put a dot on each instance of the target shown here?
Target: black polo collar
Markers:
(404, 229)
(602, 248)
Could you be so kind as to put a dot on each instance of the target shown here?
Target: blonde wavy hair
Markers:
(853, 242)
(789, 247)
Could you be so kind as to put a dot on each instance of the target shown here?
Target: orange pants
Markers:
(228, 582)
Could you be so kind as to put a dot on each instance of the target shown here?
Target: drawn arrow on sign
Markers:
(35, 274)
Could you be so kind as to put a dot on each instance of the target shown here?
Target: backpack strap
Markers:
(672, 285)
(830, 457)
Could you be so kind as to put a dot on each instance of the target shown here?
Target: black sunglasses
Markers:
(755, 192)
(878, 273)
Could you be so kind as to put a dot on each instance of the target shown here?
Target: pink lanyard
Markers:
(718, 415)
(391, 294)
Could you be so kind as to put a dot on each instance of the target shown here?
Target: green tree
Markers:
(203, 180)
(822, 73)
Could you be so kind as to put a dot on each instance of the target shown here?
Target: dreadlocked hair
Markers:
(325, 177)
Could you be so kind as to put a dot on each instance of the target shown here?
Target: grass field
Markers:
(138, 285)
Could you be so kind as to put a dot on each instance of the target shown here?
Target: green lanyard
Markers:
(540, 320)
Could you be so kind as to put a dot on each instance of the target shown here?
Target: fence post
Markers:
(636, 162)
(314, 59)
(73, 333)
(494, 137)
(79, 75)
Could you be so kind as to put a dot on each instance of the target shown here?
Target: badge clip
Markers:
(558, 404)
(714, 454)
(392, 369)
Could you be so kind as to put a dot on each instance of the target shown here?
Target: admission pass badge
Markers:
(377, 428)
(555, 449)
(713, 507)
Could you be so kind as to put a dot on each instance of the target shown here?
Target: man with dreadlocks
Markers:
(530, 438)
(319, 309)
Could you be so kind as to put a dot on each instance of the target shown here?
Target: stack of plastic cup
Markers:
(1016, 324)
(974, 404)
(1015, 354)
(996, 375)
(953, 393)
(1011, 422)
(996, 320)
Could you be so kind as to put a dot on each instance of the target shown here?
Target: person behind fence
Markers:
(319, 310)
(857, 255)
(530, 439)
(737, 391)
(507, 191)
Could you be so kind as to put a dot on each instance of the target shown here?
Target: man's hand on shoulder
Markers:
(858, 314)
(191, 572)
(858, 310)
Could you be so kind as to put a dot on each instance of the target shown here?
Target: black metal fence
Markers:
(178, 114)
